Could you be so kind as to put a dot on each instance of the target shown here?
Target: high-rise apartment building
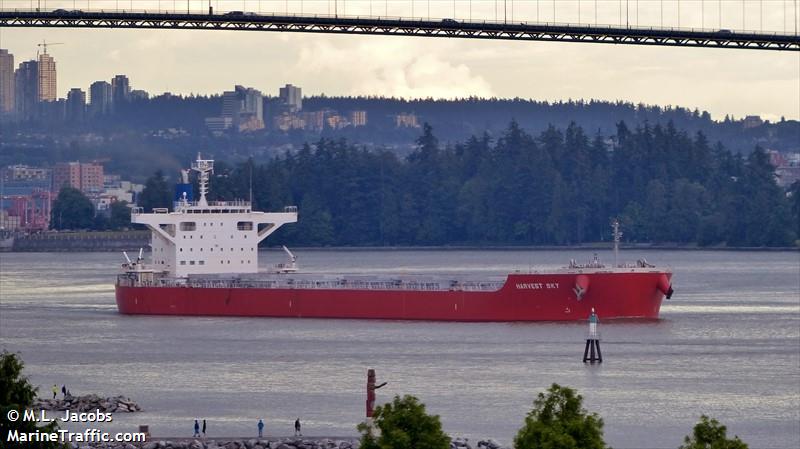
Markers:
(26, 90)
(99, 98)
(21, 172)
(47, 78)
(358, 118)
(88, 178)
(76, 105)
(292, 96)
(243, 108)
(6, 84)
(120, 90)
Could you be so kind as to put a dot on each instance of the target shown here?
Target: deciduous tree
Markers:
(404, 424)
(71, 210)
(710, 434)
(559, 421)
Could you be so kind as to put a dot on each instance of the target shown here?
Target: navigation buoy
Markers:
(592, 352)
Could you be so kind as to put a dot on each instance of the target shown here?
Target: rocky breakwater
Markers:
(218, 443)
(268, 443)
(464, 443)
(89, 403)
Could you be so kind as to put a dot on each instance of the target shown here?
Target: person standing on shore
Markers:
(64, 390)
(204, 427)
(260, 428)
(196, 429)
(55, 391)
(297, 431)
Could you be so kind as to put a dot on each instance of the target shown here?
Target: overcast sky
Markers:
(737, 82)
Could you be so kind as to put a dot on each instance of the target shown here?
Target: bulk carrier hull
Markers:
(523, 297)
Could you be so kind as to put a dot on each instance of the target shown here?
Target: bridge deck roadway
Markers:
(405, 27)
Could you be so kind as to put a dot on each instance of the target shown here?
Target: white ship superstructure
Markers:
(208, 237)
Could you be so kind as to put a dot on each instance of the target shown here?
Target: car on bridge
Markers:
(67, 12)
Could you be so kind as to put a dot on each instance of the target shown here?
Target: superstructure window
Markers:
(188, 226)
(244, 226)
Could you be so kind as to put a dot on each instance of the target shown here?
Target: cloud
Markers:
(391, 67)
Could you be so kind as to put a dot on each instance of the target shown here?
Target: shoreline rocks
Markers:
(89, 403)
(225, 443)
(268, 443)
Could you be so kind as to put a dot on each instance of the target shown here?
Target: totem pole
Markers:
(371, 387)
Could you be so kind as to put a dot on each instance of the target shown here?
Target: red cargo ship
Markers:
(205, 262)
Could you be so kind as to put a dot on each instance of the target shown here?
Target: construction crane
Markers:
(44, 45)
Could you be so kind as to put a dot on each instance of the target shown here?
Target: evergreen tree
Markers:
(120, 215)
(17, 393)
(157, 193)
(553, 188)
(795, 199)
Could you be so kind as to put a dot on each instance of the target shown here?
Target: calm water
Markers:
(728, 345)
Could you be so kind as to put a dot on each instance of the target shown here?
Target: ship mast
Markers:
(203, 167)
(617, 236)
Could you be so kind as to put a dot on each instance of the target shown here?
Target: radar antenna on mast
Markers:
(203, 167)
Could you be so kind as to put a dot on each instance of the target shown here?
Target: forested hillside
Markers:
(559, 187)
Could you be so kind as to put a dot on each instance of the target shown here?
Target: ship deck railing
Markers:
(289, 283)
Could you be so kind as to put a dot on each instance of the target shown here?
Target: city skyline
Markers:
(722, 82)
